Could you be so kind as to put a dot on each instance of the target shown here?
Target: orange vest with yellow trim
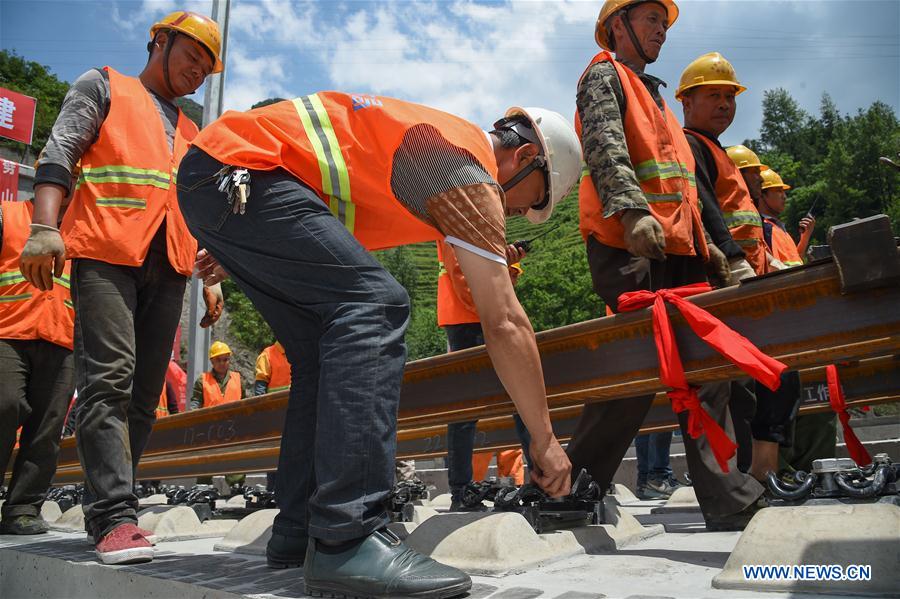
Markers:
(25, 311)
(279, 368)
(162, 408)
(783, 246)
(127, 184)
(663, 164)
(740, 214)
(454, 300)
(212, 393)
(342, 146)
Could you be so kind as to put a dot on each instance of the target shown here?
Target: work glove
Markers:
(215, 303)
(43, 257)
(740, 270)
(717, 267)
(644, 235)
(774, 262)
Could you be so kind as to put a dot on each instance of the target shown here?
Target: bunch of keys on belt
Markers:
(235, 182)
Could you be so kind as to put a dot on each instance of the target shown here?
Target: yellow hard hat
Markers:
(772, 179)
(709, 69)
(611, 7)
(218, 349)
(744, 157)
(196, 26)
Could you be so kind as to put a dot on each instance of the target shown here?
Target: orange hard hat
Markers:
(202, 29)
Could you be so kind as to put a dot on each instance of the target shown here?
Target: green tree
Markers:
(247, 325)
(35, 80)
(266, 102)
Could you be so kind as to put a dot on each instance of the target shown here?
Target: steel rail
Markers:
(867, 382)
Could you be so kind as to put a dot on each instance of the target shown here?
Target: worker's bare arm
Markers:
(513, 350)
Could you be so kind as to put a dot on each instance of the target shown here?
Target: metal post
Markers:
(199, 338)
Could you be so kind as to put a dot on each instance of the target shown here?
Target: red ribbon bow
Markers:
(839, 406)
(735, 347)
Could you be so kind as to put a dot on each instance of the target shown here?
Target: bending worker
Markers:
(640, 219)
(220, 384)
(330, 176)
(132, 256)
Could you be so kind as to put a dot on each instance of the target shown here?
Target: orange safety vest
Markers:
(127, 184)
(454, 299)
(279, 368)
(212, 393)
(342, 146)
(783, 246)
(25, 311)
(162, 408)
(741, 216)
(663, 164)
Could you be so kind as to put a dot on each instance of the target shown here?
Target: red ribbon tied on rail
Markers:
(732, 345)
(839, 406)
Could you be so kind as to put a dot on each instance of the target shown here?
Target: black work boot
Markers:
(735, 522)
(23, 525)
(377, 567)
(283, 551)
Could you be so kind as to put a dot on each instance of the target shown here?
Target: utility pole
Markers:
(199, 338)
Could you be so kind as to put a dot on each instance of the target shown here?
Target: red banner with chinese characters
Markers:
(9, 180)
(17, 115)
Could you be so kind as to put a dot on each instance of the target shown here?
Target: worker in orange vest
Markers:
(640, 219)
(36, 374)
(287, 199)
(220, 384)
(273, 371)
(707, 93)
(771, 205)
(457, 315)
(132, 256)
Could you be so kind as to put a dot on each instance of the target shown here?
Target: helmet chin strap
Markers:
(626, 18)
(538, 162)
(170, 40)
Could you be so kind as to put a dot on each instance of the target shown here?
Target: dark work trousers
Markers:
(125, 322)
(341, 318)
(607, 428)
(815, 438)
(36, 384)
(461, 435)
(743, 408)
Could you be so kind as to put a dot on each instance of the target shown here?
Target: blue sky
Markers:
(477, 58)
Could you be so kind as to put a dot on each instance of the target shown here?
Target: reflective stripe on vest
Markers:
(663, 166)
(742, 217)
(335, 178)
(125, 174)
(343, 147)
(28, 313)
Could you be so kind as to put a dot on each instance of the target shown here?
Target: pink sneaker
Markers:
(148, 534)
(124, 545)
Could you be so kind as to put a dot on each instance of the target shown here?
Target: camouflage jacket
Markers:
(601, 105)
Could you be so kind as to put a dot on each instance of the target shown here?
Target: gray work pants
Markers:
(125, 322)
(607, 428)
(36, 384)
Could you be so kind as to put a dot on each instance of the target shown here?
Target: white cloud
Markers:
(251, 79)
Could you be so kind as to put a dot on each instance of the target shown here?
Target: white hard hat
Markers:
(562, 151)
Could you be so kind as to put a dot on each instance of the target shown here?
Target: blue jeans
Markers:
(341, 318)
(653, 457)
(461, 435)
